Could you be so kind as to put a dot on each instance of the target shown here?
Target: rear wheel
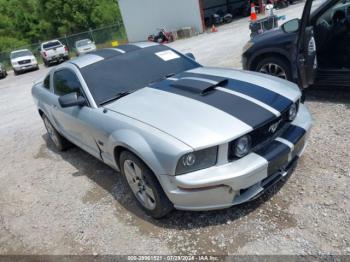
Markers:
(144, 186)
(275, 66)
(59, 141)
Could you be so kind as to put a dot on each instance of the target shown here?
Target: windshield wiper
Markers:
(116, 97)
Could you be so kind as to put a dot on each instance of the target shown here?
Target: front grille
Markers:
(264, 133)
(24, 62)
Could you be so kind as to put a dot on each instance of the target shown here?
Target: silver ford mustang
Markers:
(183, 135)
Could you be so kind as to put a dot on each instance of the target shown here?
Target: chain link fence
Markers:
(103, 37)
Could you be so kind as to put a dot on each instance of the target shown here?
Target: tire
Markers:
(144, 186)
(275, 66)
(15, 72)
(59, 141)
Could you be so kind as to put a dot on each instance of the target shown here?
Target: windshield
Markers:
(83, 42)
(132, 71)
(20, 53)
(316, 4)
(51, 44)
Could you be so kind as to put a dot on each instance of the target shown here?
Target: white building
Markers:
(143, 17)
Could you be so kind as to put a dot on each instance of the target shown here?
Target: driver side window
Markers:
(65, 81)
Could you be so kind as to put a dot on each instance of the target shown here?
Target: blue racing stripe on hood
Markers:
(240, 108)
(275, 100)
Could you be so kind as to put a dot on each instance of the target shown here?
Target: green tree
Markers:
(31, 21)
(72, 16)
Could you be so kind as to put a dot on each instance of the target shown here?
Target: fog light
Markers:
(242, 146)
(292, 113)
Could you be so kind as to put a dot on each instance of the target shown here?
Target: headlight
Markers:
(197, 160)
(248, 45)
(293, 111)
(242, 146)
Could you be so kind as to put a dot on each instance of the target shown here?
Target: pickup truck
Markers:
(23, 60)
(53, 51)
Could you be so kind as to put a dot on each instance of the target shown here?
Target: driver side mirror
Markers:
(71, 99)
(291, 26)
(190, 55)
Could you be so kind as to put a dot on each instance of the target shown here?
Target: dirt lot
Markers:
(70, 203)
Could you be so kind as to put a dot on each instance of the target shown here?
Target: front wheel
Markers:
(144, 186)
(275, 66)
(60, 142)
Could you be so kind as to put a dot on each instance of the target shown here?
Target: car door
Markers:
(306, 49)
(73, 121)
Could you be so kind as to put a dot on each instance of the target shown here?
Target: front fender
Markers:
(159, 151)
(265, 52)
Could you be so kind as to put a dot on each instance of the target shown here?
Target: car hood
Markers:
(239, 103)
(21, 58)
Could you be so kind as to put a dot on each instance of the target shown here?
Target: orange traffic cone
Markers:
(252, 12)
(213, 29)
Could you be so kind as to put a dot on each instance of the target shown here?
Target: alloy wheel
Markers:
(274, 70)
(138, 185)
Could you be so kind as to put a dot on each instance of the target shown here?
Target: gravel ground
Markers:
(70, 203)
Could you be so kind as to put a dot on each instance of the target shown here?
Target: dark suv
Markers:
(312, 50)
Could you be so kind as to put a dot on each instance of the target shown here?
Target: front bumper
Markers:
(239, 181)
(25, 67)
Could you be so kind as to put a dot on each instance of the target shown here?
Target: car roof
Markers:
(21, 50)
(102, 54)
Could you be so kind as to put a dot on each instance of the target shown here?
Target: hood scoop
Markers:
(198, 85)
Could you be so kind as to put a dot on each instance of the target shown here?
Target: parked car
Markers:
(235, 8)
(183, 135)
(3, 72)
(84, 46)
(219, 18)
(23, 60)
(311, 50)
(53, 52)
